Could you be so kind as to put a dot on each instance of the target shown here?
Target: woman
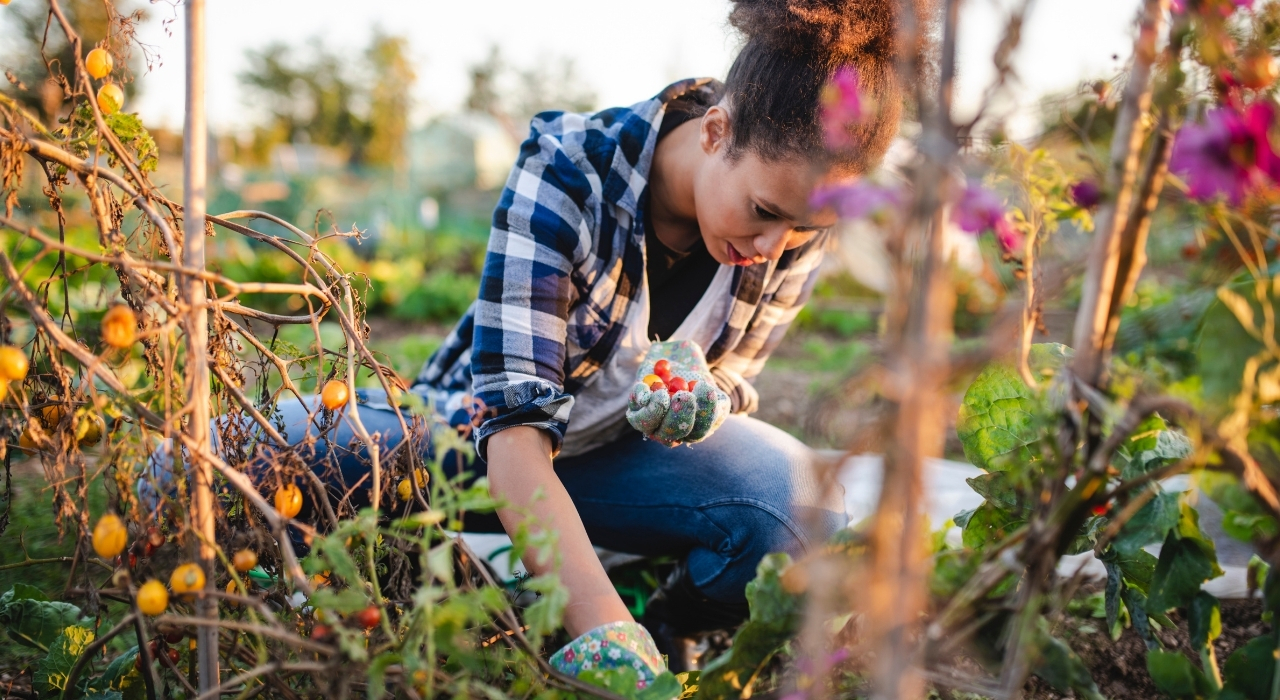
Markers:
(683, 219)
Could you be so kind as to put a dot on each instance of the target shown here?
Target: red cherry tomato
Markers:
(662, 368)
(320, 632)
(369, 617)
(173, 656)
(1101, 509)
(658, 386)
(692, 383)
(677, 384)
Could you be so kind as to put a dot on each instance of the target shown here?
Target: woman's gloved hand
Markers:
(674, 399)
(615, 645)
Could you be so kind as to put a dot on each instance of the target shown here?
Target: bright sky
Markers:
(626, 51)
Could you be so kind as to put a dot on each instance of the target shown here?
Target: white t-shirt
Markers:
(599, 414)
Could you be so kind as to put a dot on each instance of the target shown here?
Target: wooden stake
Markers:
(195, 164)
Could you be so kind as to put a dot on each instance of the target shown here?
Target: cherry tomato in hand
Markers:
(662, 368)
(677, 384)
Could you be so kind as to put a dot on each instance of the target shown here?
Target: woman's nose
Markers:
(772, 243)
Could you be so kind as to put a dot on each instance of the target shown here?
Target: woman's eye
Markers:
(764, 213)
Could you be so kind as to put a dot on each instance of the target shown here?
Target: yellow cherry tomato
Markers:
(187, 578)
(233, 590)
(89, 429)
(405, 489)
(119, 326)
(153, 598)
(13, 364)
(110, 98)
(99, 63)
(110, 536)
(244, 560)
(289, 500)
(4, 389)
(51, 416)
(334, 395)
(27, 440)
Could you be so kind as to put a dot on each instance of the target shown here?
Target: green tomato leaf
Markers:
(775, 616)
(664, 687)
(1174, 675)
(1248, 671)
(1149, 525)
(619, 681)
(998, 416)
(120, 675)
(1204, 620)
(988, 525)
(1187, 560)
(37, 623)
(1248, 527)
(22, 591)
(1060, 667)
(52, 671)
(1001, 490)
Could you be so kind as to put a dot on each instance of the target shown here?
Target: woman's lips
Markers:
(736, 258)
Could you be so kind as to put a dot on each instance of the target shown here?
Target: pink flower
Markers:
(841, 107)
(1225, 7)
(1229, 154)
(856, 200)
(1086, 194)
(979, 209)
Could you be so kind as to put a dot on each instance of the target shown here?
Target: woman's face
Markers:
(751, 210)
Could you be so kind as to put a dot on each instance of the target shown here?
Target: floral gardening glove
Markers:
(615, 645)
(674, 399)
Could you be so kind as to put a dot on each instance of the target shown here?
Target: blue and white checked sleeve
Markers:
(785, 296)
(541, 226)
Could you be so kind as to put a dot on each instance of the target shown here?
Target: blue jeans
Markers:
(724, 503)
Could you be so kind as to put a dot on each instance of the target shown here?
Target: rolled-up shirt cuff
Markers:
(533, 404)
(742, 396)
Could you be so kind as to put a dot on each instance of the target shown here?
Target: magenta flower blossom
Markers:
(979, 209)
(841, 107)
(1228, 155)
(1225, 7)
(856, 200)
(1086, 194)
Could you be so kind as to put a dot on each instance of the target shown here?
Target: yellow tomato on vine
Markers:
(152, 598)
(119, 326)
(99, 63)
(289, 500)
(110, 98)
(110, 536)
(13, 364)
(244, 560)
(187, 578)
(334, 395)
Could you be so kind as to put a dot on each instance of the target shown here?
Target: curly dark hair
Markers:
(792, 48)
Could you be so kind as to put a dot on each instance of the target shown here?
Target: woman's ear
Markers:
(715, 131)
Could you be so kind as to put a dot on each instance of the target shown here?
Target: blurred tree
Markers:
(318, 96)
(513, 96)
(389, 99)
(38, 64)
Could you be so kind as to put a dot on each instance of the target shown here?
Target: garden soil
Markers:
(1120, 668)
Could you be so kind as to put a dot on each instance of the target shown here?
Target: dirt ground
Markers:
(1120, 668)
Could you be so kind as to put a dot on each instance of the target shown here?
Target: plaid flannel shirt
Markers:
(565, 264)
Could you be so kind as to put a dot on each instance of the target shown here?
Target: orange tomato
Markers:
(99, 63)
(119, 326)
(288, 500)
(13, 364)
(109, 536)
(187, 578)
(110, 98)
(334, 395)
(152, 598)
(244, 560)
